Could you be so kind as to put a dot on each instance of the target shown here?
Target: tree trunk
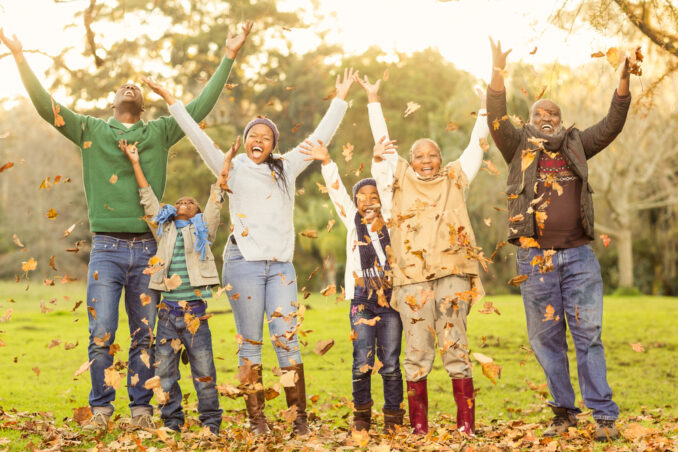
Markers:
(625, 258)
(330, 267)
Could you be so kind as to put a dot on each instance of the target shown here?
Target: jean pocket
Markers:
(102, 243)
(233, 253)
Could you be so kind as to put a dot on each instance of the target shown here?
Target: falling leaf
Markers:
(386, 75)
(533, 50)
(329, 290)
(370, 322)
(30, 265)
(192, 323)
(488, 221)
(347, 151)
(84, 367)
(173, 282)
(86, 144)
(541, 93)
(58, 119)
(489, 308)
(92, 312)
(6, 166)
(6, 318)
(495, 124)
(638, 347)
(549, 313)
(145, 299)
(101, 341)
(113, 179)
(51, 214)
(517, 218)
(490, 168)
(528, 242)
(451, 126)
(613, 57)
(597, 55)
(411, 108)
(490, 369)
(606, 240)
(153, 383)
(82, 414)
(245, 232)
(527, 159)
(330, 224)
(309, 233)
(296, 127)
(323, 346)
(230, 86)
(484, 145)
(17, 241)
(518, 280)
(68, 231)
(289, 378)
(145, 358)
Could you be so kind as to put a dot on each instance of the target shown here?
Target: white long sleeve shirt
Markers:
(261, 213)
(346, 210)
(384, 172)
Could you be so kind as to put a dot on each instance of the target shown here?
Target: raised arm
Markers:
(212, 214)
(341, 200)
(200, 107)
(68, 123)
(504, 134)
(328, 125)
(597, 137)
(472, 157)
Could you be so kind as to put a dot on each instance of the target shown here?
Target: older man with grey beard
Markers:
(550, 212)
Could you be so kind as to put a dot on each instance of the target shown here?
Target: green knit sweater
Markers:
(110, 187)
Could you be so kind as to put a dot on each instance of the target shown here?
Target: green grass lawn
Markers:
(37, 378)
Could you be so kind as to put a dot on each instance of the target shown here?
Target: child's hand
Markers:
(130, 151)
(382, 147)
(234, 43)
(13, 44)
(159, 90)
(372, 89)
(342, 87)
(315, 151)
(228, 157)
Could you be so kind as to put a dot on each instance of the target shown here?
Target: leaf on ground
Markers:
(638, 347)
(361, 437)
(82, 414)
(635, 431)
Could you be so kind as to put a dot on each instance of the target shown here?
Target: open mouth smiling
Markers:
(257, 151)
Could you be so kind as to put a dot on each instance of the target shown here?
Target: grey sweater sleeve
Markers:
(209, 152)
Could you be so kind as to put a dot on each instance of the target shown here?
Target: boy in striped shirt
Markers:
(184, 271)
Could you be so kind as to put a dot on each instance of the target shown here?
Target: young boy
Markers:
(375, 325)
(186, 273)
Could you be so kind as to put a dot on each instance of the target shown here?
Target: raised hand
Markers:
(383, 147)
(315, 151)
(372, 89)
(13, 44)
(498, 56)
(130, 151)
(342, 86)
(234, 43)
(228, 157)
(625, 77)
(159, 90)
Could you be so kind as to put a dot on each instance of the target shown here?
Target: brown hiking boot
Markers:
(255, 402)
(606, 430)
(97, 423)
(296, 396)
(142, 421)
(362, 416)
(392, 418)
(561, 422)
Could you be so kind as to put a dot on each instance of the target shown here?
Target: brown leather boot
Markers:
(296, 396)
(462, 388)
(391, 419)
(255, 401)
(362, 416)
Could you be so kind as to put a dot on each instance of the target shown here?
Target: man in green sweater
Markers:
(122, 243)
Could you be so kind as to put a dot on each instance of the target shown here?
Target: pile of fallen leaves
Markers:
(649, 431)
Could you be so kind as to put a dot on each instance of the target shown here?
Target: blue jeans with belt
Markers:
(115, 264)
(384, 338)
(258, 288)
(574, 292)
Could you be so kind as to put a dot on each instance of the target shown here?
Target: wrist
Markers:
(18, 56)
(326, 161)
(373, 98)
(231, 54)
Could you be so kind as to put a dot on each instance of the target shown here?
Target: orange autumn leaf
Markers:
(86, 144)
(541, 93)
(173, 282)
(495, 124)
(30, 265)
(534, 50)
(386, 75)
(527, 159)
(321, 187)
(145, 299)
(330, 225)
(113, 179)
(451, 126)
(296, 127)
(638, 347)
(245, 232)
(329, 290)
(58, 119)
(613, 57)
(310, 233)
(549, 313)
(68, 231)
(323, 346)
(371, 322)
(517, 218)
(597, 55)
(335, 185)
(84, 367)
(518, 280)
(490, 168)
(484, 145)
(606, 240)
(51, 214)
(6, 166)
(528, 242)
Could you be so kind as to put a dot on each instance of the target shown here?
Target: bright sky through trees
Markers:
(458, 28)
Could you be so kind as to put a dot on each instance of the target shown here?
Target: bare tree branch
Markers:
(656, 36)
(88, 18)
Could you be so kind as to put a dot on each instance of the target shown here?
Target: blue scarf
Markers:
(168, 213)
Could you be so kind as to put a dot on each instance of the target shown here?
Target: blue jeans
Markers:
(115, 264)
(575, 291)
(385, 336)
(260, 287)
(199, 348)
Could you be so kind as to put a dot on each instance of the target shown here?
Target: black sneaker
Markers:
(606, 430)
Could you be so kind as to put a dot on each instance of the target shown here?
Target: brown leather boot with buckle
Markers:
(296, 396)
(255, 401)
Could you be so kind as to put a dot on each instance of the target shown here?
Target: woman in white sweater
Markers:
(435, 258)
(258, 273)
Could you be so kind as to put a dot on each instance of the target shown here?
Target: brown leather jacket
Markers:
(576, 146)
